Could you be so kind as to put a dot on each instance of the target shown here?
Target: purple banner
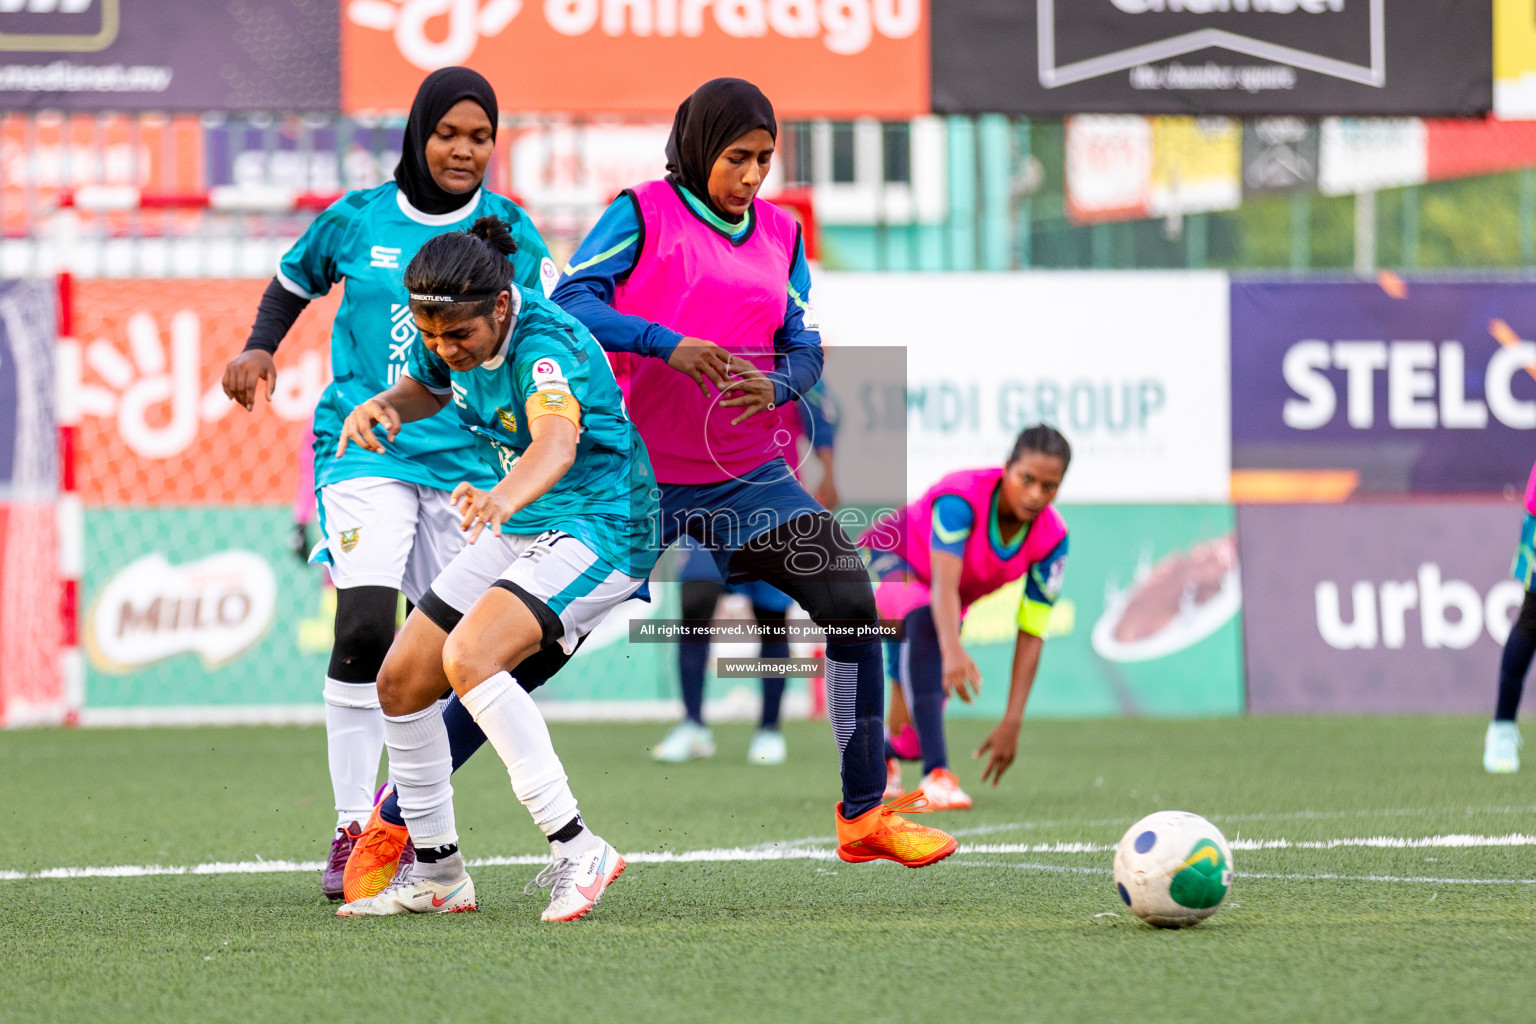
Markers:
(1424, 388)
(158, 55)
(28, 438)
(333, 157)
(1376, 608)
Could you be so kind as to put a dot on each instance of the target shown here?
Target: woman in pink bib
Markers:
(699, 292)
(967, 536)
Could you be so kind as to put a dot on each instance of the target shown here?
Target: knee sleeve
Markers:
(700, 598)
(365, 627)
(537, 669)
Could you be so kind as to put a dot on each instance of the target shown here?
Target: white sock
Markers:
(354, 738)
(584, 840)
(421, 765)
(511, 721)
(448, 870)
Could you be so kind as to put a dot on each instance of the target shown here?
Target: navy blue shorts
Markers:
(725, 516)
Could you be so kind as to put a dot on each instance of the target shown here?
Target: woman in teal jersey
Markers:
(387, 521)
(558, 542)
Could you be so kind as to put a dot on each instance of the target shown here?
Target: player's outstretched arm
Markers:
(405, 402)
(962, 678)
(1003, 742)
(276, 313)
(551, 453)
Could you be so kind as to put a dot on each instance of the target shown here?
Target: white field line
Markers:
(1391, 812)
(795, 851)
(1414, 879)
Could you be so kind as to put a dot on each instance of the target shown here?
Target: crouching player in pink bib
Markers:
(1501, 744)
(971, 533)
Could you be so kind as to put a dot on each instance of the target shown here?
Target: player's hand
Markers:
(359, 427)
(1003, 743)
(962, 679)
(481, 509)
(749, 389)
(702, 361)
(245, 373)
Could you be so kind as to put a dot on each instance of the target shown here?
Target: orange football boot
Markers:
(375, 857)
(881, 833)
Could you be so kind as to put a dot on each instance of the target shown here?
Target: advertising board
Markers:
(1149, 621)
(1417, 387)
(157, 428)
(154, 55)
(1132, 367)
(850, 58)
(1238, 57)
(1377, 608)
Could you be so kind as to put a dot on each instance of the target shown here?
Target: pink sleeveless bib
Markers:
(981, 570)
(1530, 493)
(690, 278)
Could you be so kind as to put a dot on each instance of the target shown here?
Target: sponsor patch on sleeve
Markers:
(548, 275)
(811, 322)
(549, 376)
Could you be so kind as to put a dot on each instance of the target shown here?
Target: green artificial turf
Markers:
(1010, 935)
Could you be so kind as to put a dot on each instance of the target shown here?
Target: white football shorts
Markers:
(379, 532)
(553, 566)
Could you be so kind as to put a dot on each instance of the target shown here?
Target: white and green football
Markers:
(1173, 869)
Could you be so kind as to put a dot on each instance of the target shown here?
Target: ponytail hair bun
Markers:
(495, 232)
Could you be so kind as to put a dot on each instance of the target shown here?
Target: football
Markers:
(1173, 869)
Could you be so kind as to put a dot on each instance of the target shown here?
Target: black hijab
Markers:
(718, 113)
(437, 95)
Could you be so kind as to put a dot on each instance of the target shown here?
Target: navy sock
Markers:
(691, 656)
(773, 688)
(1518, 652)
(923, 685)
(855, 699)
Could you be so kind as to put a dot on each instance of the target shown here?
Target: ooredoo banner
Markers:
(1377, 608)
(1403, 386)
(1240, 57)
(1132, 367)
(155, 55)
(852, 58)
(1149, 620)
(156, 427)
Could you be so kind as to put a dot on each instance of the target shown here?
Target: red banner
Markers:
(832, 58)
(157, 428)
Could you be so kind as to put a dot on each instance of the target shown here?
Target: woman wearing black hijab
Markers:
(700, 292)
(387, 522)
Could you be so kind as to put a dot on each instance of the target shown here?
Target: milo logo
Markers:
(1202, 879)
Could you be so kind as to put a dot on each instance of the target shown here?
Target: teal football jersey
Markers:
(608, 498)
(367, 239)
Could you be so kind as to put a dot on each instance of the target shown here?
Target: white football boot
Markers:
(410, 895)
(768, 747)
(943, 791)
(689, 740)
(893, 787)
(1501, 748)
(577, 882)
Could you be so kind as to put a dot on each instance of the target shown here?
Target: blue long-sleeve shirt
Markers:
(607, 256)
